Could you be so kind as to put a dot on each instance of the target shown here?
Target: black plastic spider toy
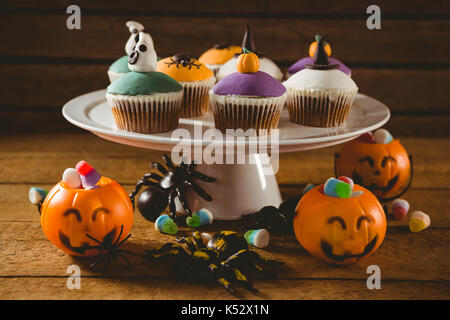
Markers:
(274, 219)
(108, 244)
(225, 259)
(184, 60)
(163, 189)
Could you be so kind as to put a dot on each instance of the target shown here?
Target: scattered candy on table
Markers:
(71, 177)
(37, 195)
(258, 238)
(400, 208)
(383, 136)
(89, 176)
(202, 217)
(205, 237)
(165, 224)
(419, 221)
(308, 187)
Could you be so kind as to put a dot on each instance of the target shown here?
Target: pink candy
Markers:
(400, 208)
(367, 137)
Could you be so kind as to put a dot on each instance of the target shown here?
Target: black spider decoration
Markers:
(225, 259)
(184, 60)
(111, 247)
(165, 187)
(275, 219)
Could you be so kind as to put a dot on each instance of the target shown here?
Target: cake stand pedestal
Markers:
(241, 188)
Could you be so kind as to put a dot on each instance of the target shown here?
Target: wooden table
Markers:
(406, 65)
(413, 265)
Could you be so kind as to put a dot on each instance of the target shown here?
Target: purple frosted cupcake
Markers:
(303, 62)
(248, 99)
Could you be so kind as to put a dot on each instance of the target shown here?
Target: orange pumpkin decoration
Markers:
(247, 62)
(313, 47)
(385, 169)
(67, 215)
(339, 230)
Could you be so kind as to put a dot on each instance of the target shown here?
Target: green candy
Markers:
(343, 190)
(193, 221)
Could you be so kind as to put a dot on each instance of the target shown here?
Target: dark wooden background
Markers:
(406, 64)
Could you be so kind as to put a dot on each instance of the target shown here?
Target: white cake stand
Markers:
(240, 188)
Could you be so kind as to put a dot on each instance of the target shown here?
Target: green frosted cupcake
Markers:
(144, 100)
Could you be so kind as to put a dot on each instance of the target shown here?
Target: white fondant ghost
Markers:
(134, 27)
(143, 58)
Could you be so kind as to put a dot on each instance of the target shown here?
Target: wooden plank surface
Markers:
(104, 37)
(33, 90)
(281, 7)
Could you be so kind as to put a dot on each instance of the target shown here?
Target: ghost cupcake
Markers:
(196, 79)
(218, 55)
(144, 100)
(320, 95)
(266, 65)
(302, 63)
(248, 98)
(120, 66)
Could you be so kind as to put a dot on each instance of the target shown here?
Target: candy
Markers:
(383, 136)
(258, 238)
(202, 217)
(205, 237)
(71, 177)
(366, 137)
(347, 180)
(337, 188)
(36, 195)
(308, 187)
(89, 176)
(165, 224)
(400, 208)
(419, 221)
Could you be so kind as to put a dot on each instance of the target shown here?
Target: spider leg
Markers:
(159, 167)
(126, 251)
(221, 279)
(173, 210)
(92, 238)
(202, 176)
(200, 191)
(168, 161)
(168, 249)
(96, 262)
(105, 269)
(118, 238)
(189, 242)
(120, 255)
(243, 280)
(183, 201)
(153, 175)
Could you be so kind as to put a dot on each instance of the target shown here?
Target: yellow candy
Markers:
(419, 221)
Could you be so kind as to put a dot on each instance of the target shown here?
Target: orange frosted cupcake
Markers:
(219, 55)
(196, 80)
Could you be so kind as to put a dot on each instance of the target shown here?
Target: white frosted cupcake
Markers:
(320, 95)
(266, 65)
(144, 100)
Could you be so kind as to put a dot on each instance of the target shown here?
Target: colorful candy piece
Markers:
(36, 195)
(419, 221)
(400, 208)
(337, 188)
(383, 136)
(366, 137)
(308, 187)
(347, 180)
(71, 177)
(202, 217)
(258, 238)
(206, 237)
(89, 176)
(165, 224)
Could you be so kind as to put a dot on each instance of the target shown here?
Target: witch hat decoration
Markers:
(320, 59)
(247, 41)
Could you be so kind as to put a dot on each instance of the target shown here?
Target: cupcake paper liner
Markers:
(196, 97)
(154, 113)
(237, 112)
(319, 108)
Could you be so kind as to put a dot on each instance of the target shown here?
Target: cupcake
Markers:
(302, 63)
(247, 99)
(266, 65)
(196, 80)
(144, 100)
(320, 95)
(218, 55)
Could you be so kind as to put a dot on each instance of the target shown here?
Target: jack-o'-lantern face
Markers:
(382, 168)
(339, 230)
(69, 215)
